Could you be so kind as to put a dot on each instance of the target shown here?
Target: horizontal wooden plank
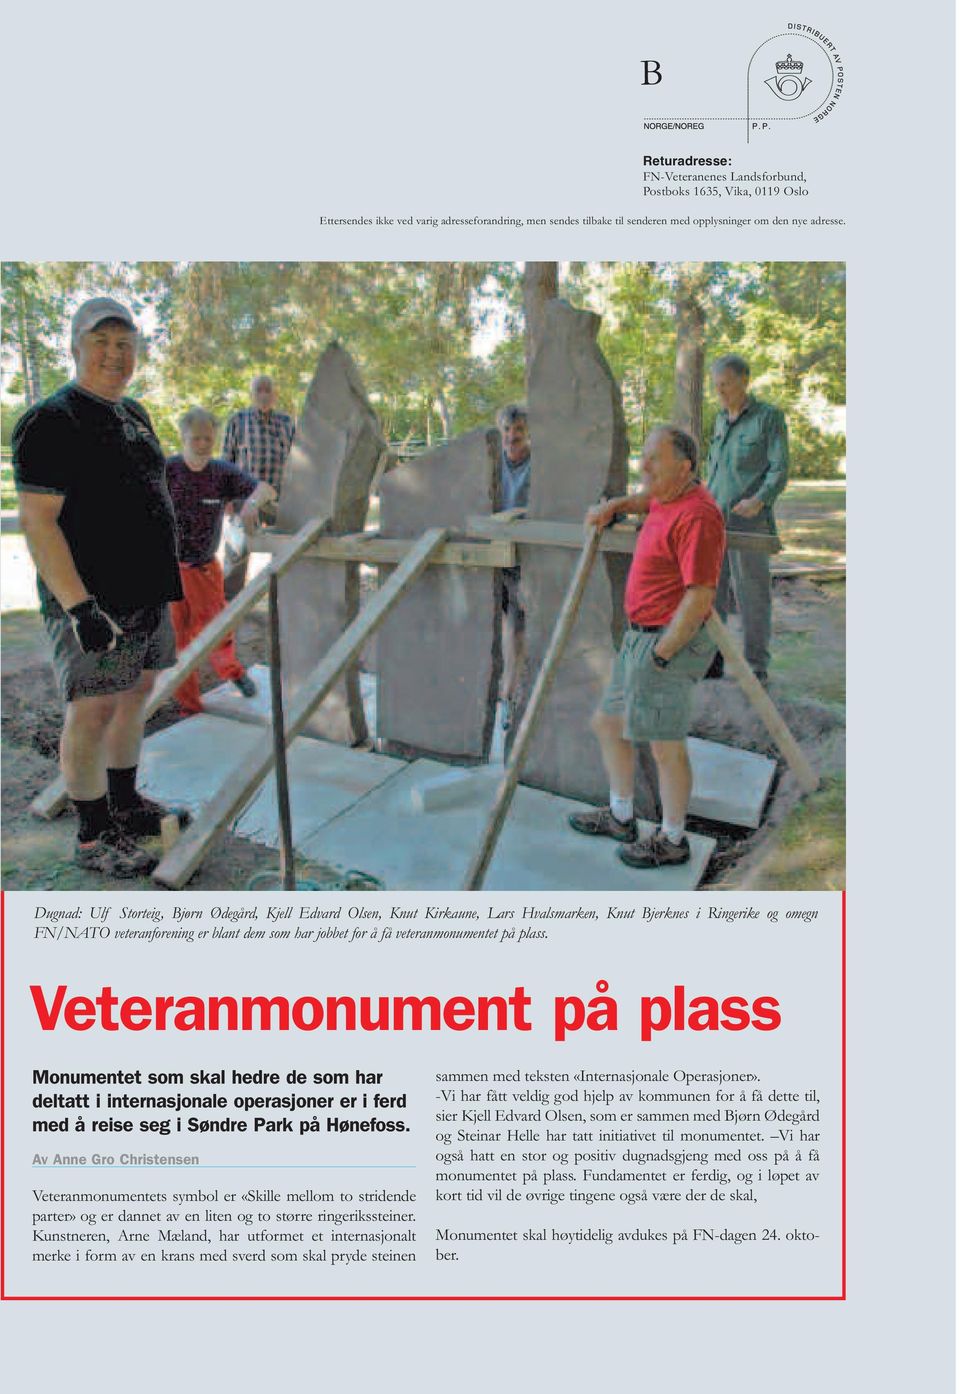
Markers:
(390, 551)
(621, 538)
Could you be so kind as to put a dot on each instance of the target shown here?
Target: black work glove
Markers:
(96, 632)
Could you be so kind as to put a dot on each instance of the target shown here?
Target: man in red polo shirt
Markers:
(665, 651)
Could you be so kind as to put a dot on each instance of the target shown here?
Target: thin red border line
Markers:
(843, 1096)
(497, 1297)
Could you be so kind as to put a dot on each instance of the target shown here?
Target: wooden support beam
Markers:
(51, 801)
(390, 551)
(759, 699)
(216, 817)
(622, 538)
(551, 659)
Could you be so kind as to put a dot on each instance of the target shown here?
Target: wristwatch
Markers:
(658, 660)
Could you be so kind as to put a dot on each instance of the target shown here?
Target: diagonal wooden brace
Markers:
(756, 695)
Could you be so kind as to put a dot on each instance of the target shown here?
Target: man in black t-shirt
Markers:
(97, 518)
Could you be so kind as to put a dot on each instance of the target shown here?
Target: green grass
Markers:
(810, 850)
(812, 522)
(8, 493)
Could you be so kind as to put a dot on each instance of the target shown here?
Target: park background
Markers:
(442, 345)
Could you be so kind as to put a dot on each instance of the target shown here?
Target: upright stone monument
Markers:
(438, 654)
(329, 472)
(579, 454)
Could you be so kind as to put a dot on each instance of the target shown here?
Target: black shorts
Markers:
(510, 596)
(146, 644)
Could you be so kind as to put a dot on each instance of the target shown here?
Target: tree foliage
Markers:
(441, 344)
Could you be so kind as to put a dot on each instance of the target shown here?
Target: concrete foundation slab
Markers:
(325, 781)
(226, 701)
(409, 850)
(186, 763)
(729, 785)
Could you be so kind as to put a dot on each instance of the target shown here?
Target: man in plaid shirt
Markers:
(258, 439)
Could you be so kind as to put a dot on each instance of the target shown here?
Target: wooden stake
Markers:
(288, 875)
(551, 660)
(756, 695)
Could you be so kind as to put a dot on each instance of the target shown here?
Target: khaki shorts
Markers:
(656, 703)
(146, 644)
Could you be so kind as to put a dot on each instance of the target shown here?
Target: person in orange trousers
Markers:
(200, 487)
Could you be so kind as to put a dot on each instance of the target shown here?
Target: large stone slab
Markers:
(579, 445)
(409, 850)
(438, 655)
(185, 764)
(729, 785)
(325, 780)
(330, 470)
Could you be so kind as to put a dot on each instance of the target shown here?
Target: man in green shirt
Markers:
(746, 471)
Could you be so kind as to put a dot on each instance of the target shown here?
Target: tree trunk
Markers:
(688, 379)
(443, 411)
(541, 282)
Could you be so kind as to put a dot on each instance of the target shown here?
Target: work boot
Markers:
(716, 667)
(600, 822)
(112, 853)
(143, 818)
(654, 851)
(245, 685)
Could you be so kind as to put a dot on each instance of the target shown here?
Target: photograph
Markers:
(424, 575)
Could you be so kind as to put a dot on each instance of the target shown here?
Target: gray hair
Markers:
(683, 444)
(734, 362)
(196, 416)
(256, 381)
(507, 416)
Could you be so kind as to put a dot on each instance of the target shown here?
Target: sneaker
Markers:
(245, 685)
(657, 850)
(114, 854)
(145, 817)
(600, 822)
(716, 667)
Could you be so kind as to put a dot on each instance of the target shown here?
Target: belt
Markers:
(646, 628)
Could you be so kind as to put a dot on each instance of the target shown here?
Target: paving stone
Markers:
(225, 700)
(185, 764)
(437, 654)
(409, 850)
(729, 785)
(579, 445)
(330, 470)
